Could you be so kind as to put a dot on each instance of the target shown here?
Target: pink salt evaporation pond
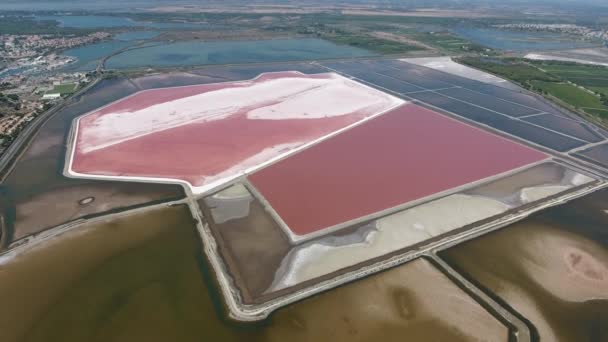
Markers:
(402, 156)
(207, 134)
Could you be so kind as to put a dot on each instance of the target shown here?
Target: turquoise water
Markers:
(227, 52)
(136, 35)
(89, 55)
(93, 21)
(519, 41)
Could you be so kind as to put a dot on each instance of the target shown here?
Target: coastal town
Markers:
(571, 29)
(23, 46)
(29, 79)
(23, 98)
(28, 54)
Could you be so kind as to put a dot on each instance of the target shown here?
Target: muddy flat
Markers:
(413, 302)
(141, 278)
(551, 268)
(34, 194)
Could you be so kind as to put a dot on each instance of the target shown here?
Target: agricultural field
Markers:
(447, 42)
(512, 69)
(594, 78)
(583, 88)
(383, 46)
(574, 96)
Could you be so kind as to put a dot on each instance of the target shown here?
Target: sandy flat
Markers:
(446, 64)
(549, 57)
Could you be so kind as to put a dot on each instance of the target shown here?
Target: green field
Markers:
(66, 88)
(575, 70)
(603, 113)
(602, 90)
(594, 78)
(576, 85)
(571, 94)
(514, 70)
(382, 46)
(447, 42)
